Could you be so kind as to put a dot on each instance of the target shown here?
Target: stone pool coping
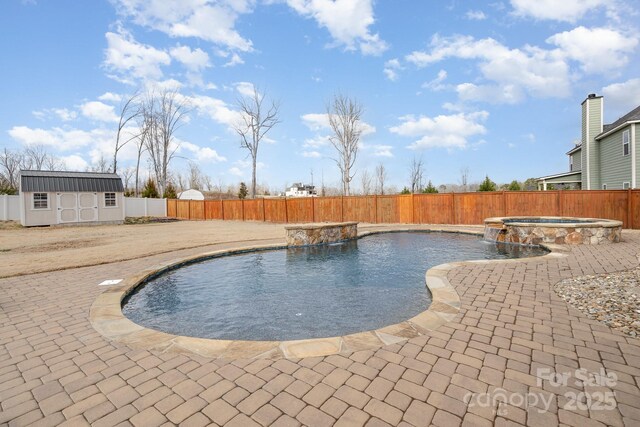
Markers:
(107, 318)
(316, 225)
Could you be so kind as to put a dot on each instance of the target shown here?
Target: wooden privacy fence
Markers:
(447, 208)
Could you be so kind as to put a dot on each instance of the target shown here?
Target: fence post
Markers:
(286, 211)
(222, 209)
(453, 208)
(313, 209)
(375, 208)
(413, 209)
(242, 208)
(341, 208)
(146, 207)
(504, 203)
(264, 216)
(629, 216)
(5, 208)
(166, 207)
(560, 204)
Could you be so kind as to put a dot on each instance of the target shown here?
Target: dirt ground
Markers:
(40, 249)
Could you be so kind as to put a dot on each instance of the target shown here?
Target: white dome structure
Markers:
(191, 194)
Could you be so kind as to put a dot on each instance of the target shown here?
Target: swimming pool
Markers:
(308, 292)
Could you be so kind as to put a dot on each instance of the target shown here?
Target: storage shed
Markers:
(51, 198)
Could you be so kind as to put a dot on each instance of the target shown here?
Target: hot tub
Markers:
(552, 229)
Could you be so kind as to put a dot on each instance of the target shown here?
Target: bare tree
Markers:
(99, 165)
(127, 174)
(416, 174)
(464, 178)
(165, 113)
(35, 157)
(381, 177)
(365, 180)
(145, 121)
(52, 163)
(10, 162)
(208, 184)
(256, 122)
(344, 118)
(195, 176)
(129, 111)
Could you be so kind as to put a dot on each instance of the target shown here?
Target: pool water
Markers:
(308, 292)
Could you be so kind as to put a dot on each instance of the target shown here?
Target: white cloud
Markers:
(61, 139)
(317, 122)
(96, 110)
(452, 131)
(311, 154)
(391, 69)
(210, 20)
(129, 60)
(475, 15)
(598, 50)
(235, 60)
(236, 171)
(317, 141)
(565, 10)
(194, 60)
(63, 114)
(436, 83)
(74, 162)
(493, 94)
(215, 109)
(347, 21)
(244, 88)
(110, 97)
(203, 154)
(538, 72)
(382, 150)
(622, 97)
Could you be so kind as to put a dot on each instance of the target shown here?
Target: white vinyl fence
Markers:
(136, 206)
(133, 206)
(9, 208)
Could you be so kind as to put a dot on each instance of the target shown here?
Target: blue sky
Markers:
(492, 86)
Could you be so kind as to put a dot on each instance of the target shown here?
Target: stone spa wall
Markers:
(557, 230)
(316, 234)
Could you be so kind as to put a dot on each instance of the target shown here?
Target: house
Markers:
(300, 190)
(607, 157)
(191, 194)
(51, 198)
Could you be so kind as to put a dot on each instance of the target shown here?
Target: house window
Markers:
(625, 142)
(626, 185)
(604, 186)
(40, 200)
(110, 200)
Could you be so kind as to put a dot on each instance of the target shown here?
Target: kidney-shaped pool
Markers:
(308, 292)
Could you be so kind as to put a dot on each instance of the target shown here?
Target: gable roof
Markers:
(50, 181)
(631, 116)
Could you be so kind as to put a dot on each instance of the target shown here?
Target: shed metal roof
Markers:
(49, 181)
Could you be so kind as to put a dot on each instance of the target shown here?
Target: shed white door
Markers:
(77, 207)
(88, 206)
(67, 207)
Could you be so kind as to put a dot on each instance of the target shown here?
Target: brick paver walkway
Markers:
(510, 357)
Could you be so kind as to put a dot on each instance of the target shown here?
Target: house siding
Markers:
(577, 161)
(594, 127)
(617, 168)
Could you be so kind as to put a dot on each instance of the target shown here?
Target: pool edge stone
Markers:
(107, 318)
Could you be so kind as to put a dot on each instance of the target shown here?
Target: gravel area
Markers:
(613, 299)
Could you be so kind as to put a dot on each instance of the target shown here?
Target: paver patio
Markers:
(55, 369)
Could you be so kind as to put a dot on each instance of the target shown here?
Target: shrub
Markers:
(487, 185)
(150, 190)
(430, 188)
(242, 193)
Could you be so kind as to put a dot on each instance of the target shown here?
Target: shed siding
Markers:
(616, 168)
(34, 217)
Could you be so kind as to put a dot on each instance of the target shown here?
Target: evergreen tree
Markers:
(242, 193)
(487, 185)
(405, 190)
(514, 186)
(170, 192)
(150, 190)
(430, 188)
